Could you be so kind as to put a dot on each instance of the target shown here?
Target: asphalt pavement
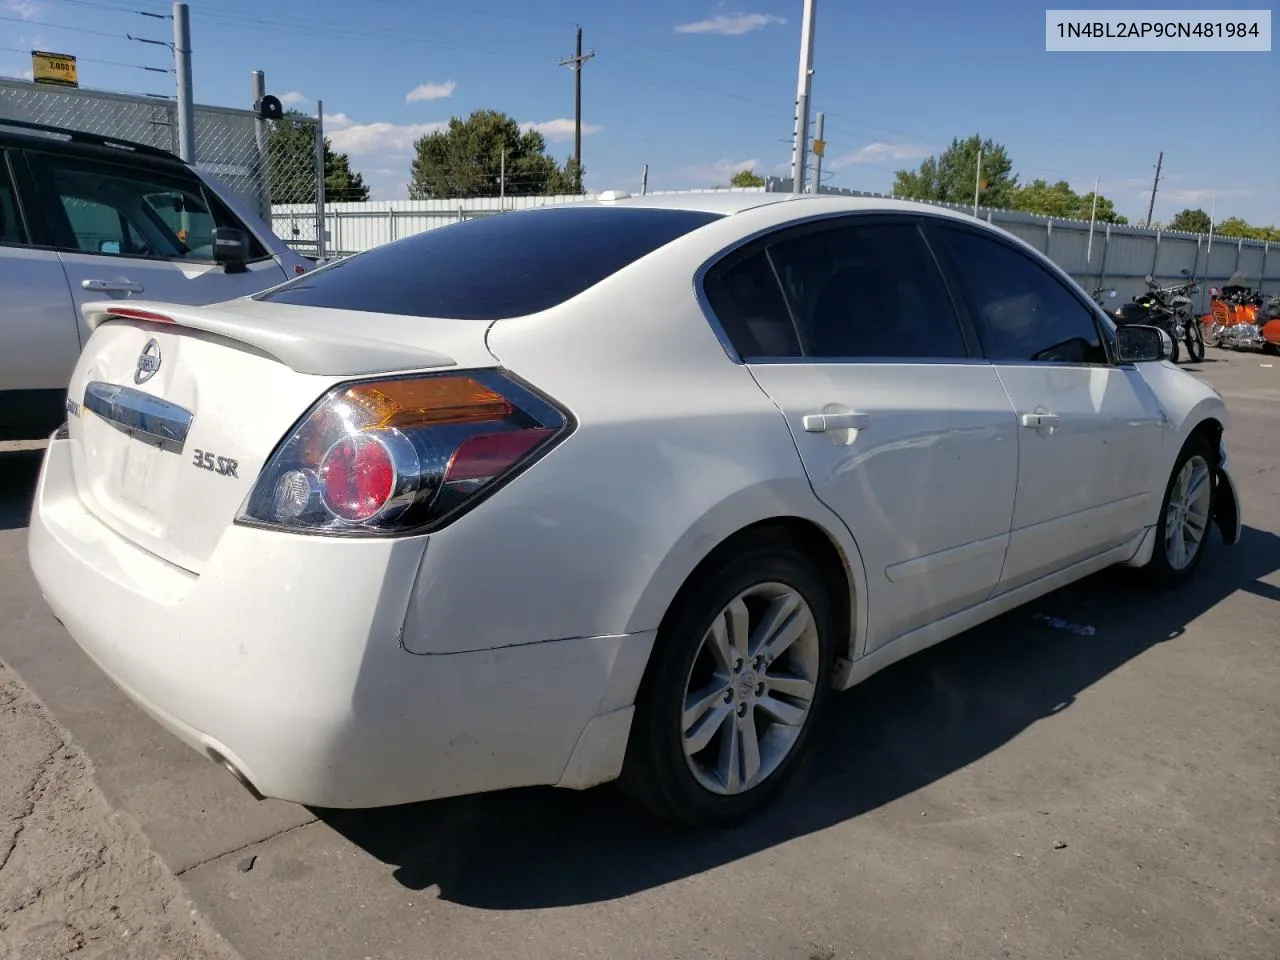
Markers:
(1030, 789)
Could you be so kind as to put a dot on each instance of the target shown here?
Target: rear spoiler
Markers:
(304, 349)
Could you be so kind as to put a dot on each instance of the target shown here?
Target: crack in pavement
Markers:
(31, 799)
(245, 846)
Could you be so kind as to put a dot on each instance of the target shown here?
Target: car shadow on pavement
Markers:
(903, 729)
(18, 473)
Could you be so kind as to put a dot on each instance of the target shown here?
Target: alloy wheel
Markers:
(750, 688)
(1187, 516)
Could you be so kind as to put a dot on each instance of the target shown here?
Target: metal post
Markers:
(1048, 236)
(1239, 251)
(186, 98)
(320, 248)
(644, 180)
(1262, 275)
(817, 157)
(261, 139)
(502, 180)
(800, 138)
(1212, 209)
(977, 182)
(1155, 257)
(1093, 218)
(1102, 266)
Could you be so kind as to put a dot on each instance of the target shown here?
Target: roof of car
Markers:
(729, 202)
(66, 139)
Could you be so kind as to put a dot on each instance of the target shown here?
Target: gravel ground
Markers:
(77, 879)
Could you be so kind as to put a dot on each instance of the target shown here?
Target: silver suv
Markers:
(84, 218)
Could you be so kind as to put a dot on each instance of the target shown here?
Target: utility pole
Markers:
(819, 149)
(644, 180)
(502, 180)
(1093, 218)
(186, 99)
(261, 137)
(1152, 207)
(800, 137)
(575, 64)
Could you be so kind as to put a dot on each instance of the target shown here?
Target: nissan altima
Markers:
(618, 490)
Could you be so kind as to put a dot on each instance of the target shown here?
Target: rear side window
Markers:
(505, 265)
(10, 223)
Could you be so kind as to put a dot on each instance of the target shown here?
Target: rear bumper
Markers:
(283, 658)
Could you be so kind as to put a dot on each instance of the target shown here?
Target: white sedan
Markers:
(614, 490)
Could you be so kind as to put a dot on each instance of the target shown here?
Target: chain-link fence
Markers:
(264, 162)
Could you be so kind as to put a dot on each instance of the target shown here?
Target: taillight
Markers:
(402, 455)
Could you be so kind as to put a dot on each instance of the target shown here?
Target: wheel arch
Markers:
(820, 534)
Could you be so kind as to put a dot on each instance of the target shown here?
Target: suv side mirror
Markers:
(231, 249)
(1142, 344)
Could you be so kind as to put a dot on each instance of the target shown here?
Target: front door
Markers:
(903, 433)
(1088, 429)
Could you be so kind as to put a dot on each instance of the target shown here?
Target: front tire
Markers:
(1185, 516)
(1195, 341)
(741, 669)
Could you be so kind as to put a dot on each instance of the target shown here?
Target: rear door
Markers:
(39, 341)
(135, 230)
(1089, 430)
(903, 431)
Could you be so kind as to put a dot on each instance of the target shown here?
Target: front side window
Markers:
(872, 290)
(1021, 310)
(114, 209)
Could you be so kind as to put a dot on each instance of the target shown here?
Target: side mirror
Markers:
(1147, 278)
(231, 249)
(1142, 344)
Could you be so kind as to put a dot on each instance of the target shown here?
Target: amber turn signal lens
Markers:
(405, 404)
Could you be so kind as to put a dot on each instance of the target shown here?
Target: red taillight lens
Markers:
(403, 454)
(357, 478)
(486, 456)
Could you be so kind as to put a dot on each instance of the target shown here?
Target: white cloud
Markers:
(879, 152)
(293, 98)
(430, 91)
(560, 129)
(1202, 197)
(21, 74)
(730, 25)
(23, 8)
(721, 170)
(365, 139)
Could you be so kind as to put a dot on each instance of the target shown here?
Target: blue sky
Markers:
(699, 88)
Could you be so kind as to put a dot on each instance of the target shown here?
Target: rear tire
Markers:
(740, 672)
(1186, 514)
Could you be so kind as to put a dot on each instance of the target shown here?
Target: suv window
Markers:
(11, 230)
(1021, 310)
(506, 265)
(868, 290)
(135, 212)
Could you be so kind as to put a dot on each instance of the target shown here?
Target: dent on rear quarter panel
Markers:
(676, 448)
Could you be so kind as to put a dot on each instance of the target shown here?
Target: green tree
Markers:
(1190, 221)
(466, 160)
(951, 176)
(291, 155)
(1059, 200)
(746, 178)
(1238, 227)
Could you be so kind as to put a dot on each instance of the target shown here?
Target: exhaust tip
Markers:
(232, 769)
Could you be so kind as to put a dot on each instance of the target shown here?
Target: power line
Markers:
(109, 63)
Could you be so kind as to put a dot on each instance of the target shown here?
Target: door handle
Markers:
(113, 286)
(1038, 421)
(822, 422)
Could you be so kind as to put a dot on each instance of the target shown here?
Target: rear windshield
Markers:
(505, 265)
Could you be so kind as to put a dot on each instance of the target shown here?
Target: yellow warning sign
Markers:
(819, 147)
(59, 68)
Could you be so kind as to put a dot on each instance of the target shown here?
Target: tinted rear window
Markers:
(505, 265)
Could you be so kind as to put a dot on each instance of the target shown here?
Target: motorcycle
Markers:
(1237, 317)
(1168, 308)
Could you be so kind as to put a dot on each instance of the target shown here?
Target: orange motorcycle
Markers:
(1240, 319)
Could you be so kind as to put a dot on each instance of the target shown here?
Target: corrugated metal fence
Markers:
(1113, 256)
